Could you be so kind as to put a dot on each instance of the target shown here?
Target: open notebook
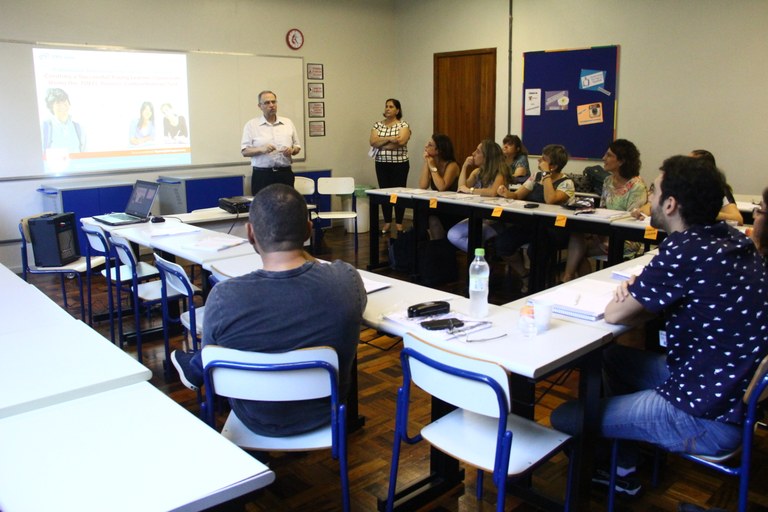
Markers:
(138, 207)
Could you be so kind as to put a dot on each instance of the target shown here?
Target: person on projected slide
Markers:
(60, 132)
(270, 142)
(142, 130)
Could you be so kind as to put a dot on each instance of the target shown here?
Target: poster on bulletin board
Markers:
(570, 98)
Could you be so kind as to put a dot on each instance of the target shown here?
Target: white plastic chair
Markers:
(306, 187)
(296, 375)
(142, 293)
(338, 187)
(74, 269)
(177, 285)
(482, 431)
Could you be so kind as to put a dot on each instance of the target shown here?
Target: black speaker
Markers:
(54, 239)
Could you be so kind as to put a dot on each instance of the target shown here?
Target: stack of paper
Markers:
(585, 298)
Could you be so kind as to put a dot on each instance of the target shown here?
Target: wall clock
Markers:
(294, 38)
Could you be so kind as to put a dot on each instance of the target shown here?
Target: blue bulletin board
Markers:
(570, 98)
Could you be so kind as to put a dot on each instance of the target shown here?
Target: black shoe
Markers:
(628, 486)
(181, 361)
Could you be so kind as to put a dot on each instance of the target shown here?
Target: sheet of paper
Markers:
(216, 243)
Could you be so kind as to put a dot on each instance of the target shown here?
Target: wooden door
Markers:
(465, 98)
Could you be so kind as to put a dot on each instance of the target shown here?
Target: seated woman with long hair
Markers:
(440, 172)
(489, 174)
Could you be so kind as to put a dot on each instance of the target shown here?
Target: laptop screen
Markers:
(142, 197)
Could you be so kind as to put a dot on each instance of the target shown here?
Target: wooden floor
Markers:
(310, 481)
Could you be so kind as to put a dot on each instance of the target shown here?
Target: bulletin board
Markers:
(570, 98)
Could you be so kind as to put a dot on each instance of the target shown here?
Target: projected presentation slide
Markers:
(103, 110)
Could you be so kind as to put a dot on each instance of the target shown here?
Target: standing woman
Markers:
(389, 142)
(516, 158)
(623, 190)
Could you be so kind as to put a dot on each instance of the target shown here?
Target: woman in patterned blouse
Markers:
(623, 190)
(389, 144)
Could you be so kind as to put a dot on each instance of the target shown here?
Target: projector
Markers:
(236, 204)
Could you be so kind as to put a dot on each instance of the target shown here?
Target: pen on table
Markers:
(485, 339)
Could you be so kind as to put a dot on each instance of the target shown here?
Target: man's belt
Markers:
(272, 169)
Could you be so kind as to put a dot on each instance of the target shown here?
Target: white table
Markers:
(9, 280)
(183, 240)
(236, 265)
(101, 452)
(601, 275)
(215, 219)
(58, 358)
(24, 306)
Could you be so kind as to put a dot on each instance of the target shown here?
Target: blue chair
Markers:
(146, 293)
(481, 431)
(177, 285)
(74, 269)
(283, 377)
(98, 246)
(756, 394)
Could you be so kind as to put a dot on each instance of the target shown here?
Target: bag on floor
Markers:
(402, 252)
(437, 262)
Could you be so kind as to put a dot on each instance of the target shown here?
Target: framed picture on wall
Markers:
(316, 90)
(316, 109)
(317, 128)
(315, 72)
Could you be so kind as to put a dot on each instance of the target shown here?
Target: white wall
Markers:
(436, 26)
(692, 72)
(344, 35)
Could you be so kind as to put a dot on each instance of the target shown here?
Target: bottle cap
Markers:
(479, 251)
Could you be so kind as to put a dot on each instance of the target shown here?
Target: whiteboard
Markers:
(223, 96)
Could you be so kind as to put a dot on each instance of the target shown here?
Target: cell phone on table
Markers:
(442, 324)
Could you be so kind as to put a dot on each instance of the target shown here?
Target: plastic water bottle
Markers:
(478, 285)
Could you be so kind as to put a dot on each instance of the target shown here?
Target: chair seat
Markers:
(150, 291)
(238, 433)
(713, 458)
(143, 271)
(80, 265)
(471, 438)
(199, 315)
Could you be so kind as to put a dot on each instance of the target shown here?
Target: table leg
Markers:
(354, 420)
(374, 201)
(590, 382)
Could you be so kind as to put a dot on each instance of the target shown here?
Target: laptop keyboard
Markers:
(122, 216)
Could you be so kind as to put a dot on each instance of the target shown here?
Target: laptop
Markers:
(138, 207)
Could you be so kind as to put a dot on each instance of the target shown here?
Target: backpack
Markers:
(402, 251)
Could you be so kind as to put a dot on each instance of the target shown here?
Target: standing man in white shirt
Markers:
(270, 142)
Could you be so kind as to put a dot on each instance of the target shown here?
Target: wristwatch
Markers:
(433, 169)
(472, 190)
